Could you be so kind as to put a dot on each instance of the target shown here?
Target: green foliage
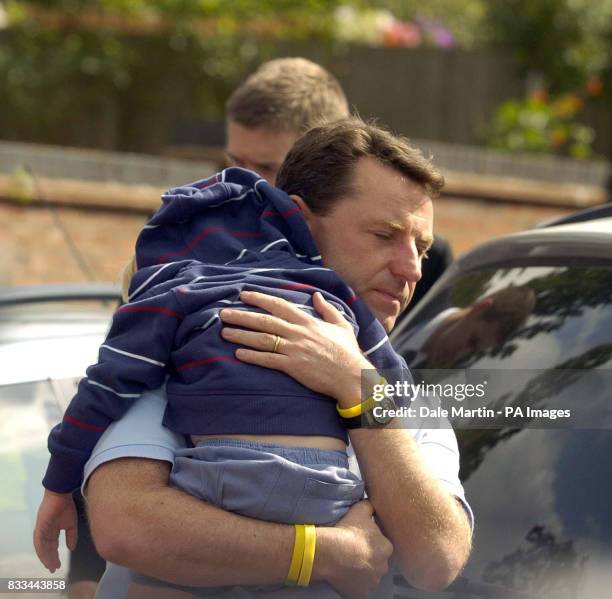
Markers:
(119, 73)
(562, 46)
(538, 124)
(565, 41)
(175, 10)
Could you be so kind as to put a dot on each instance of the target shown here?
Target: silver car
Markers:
(48, 337)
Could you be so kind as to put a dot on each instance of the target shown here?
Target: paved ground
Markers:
(34, 247)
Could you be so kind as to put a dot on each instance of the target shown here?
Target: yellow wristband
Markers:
(357, 410)
(298, 555)
(360, 408)
(310, 543)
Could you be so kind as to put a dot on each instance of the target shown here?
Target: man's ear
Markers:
(303, 206)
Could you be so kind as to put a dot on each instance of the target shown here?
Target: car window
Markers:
(540, 497)
(56, 340)
(521, 317)
(27, 413)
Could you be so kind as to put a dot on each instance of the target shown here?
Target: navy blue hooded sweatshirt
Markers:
(209, 241)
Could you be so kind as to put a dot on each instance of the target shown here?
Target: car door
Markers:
(540, 488)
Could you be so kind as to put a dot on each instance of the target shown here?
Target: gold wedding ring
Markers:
(276, 344)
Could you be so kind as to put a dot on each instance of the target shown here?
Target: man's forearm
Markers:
(165, 533)
(427, 526)
(138, 521)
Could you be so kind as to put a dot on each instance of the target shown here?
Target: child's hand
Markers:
(56, 512)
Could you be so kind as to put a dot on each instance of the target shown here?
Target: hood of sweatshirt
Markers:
(233, 217)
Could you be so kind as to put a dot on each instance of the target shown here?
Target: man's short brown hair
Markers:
(288, 94)
(319, 168)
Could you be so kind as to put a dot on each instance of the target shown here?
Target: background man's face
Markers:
(258, 149)
(375, 237)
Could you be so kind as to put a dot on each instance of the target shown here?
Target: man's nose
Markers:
(406, 263)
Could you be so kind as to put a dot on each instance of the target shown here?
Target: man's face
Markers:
(258, 149)
(376, 236)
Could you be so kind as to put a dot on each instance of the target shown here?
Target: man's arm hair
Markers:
(163, 532)
(428, 527)
(160, 531)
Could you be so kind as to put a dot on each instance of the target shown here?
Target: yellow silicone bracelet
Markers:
(298, 555)
(357, 410)
(360, 408)
(309, 555)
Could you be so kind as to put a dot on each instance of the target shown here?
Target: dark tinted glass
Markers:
(541, 498)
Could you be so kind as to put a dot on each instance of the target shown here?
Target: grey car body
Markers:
(48, 337)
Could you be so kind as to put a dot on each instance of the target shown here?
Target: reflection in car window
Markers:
(539, 309)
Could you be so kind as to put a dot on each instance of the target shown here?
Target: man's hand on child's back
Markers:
(321, 353)
(56, 512)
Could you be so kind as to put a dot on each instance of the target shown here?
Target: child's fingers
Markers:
(47, 550)
(72, 536)
(55, 513)
(51, 558)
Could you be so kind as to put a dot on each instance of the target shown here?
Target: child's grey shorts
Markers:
(291, 485)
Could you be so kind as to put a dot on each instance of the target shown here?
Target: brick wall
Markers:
(35, 249)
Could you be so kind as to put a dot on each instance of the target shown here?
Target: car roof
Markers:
(590, 239)
(58, 292)
(594, 212)
(52, 331)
